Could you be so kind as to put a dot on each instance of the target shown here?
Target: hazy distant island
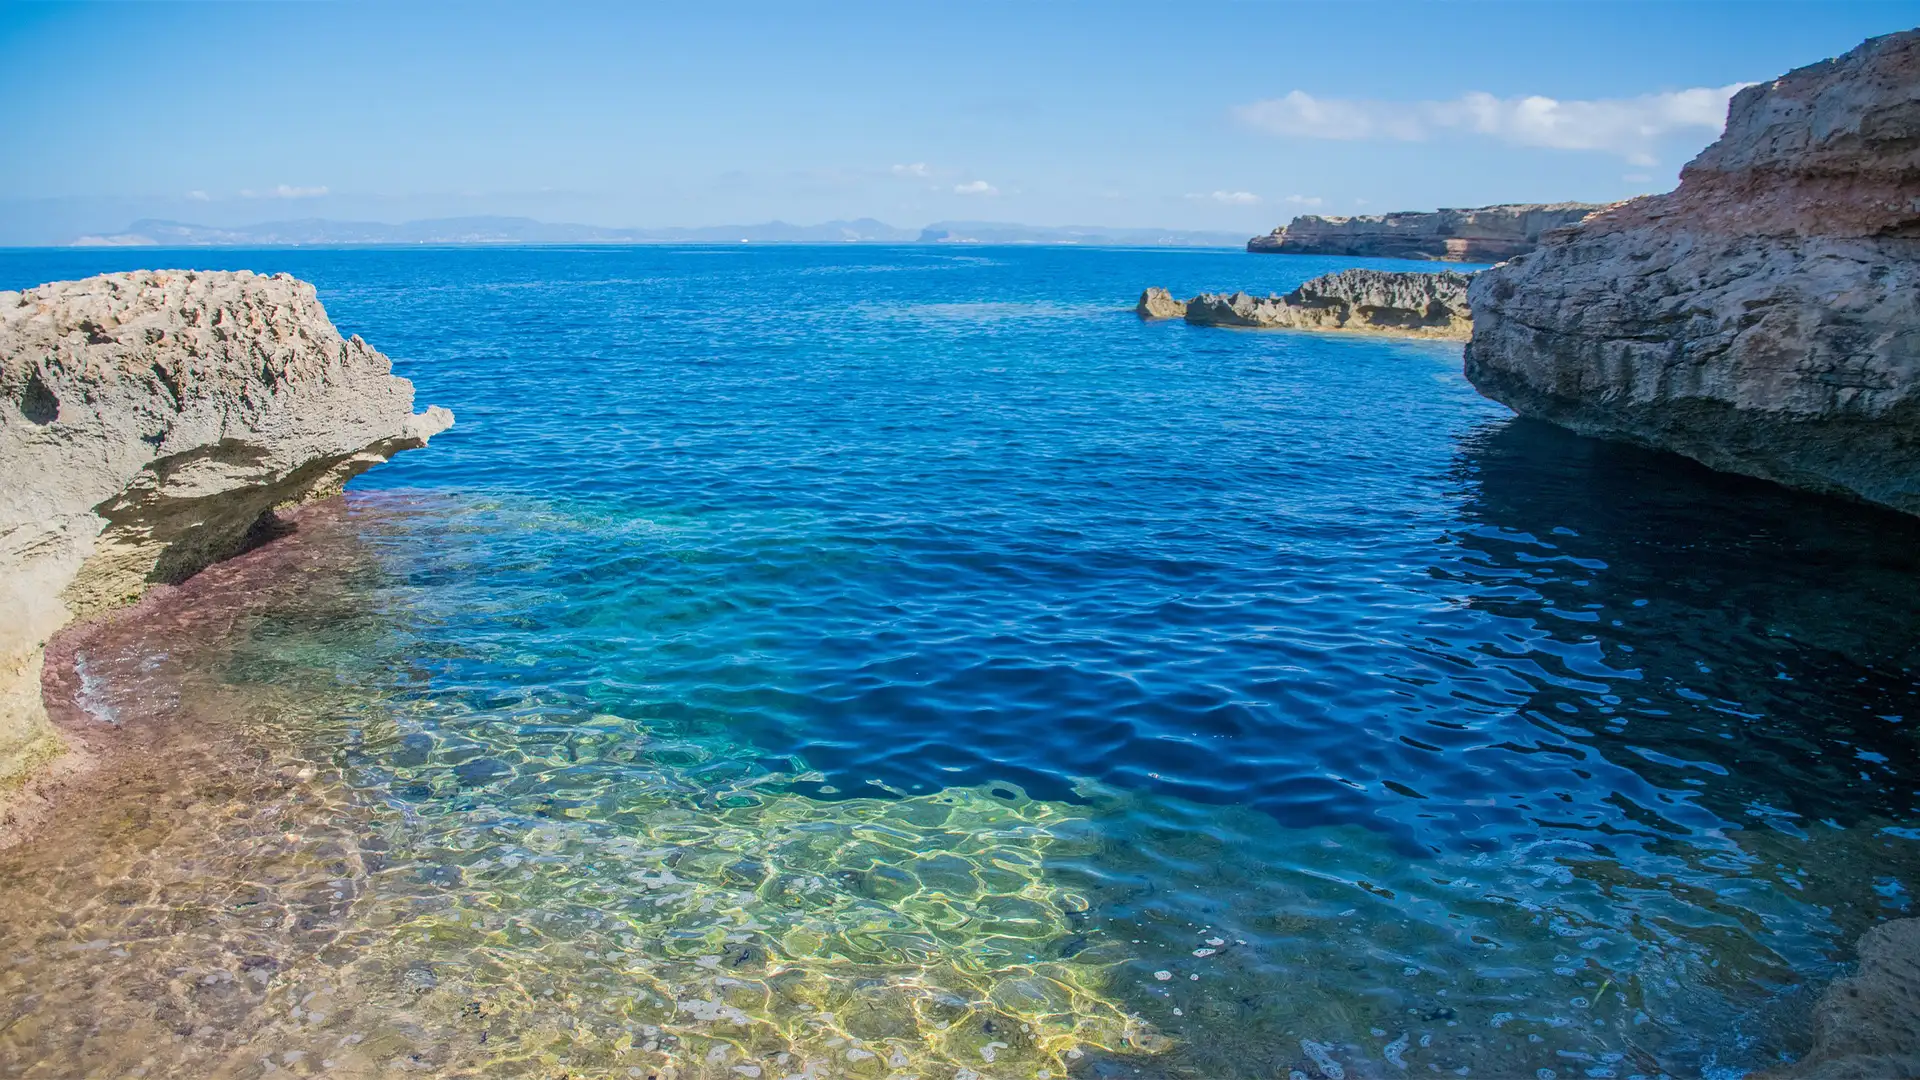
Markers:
(1481, 234)
(304, 232)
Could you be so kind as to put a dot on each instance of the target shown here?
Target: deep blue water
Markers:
(1304, 624)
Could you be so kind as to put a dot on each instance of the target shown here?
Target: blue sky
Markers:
(1215, 116)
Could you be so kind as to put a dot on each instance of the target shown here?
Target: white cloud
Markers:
(1229, 198)
(286, 191)
(1305, 200)
(975, 187)
(917, 170)
(198, 196)
(1627, 127)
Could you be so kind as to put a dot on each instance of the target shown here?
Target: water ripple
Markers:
(1474, 744)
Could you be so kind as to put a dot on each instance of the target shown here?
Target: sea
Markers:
(888, 662)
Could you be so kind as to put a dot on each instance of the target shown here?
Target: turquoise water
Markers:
(1036, 690)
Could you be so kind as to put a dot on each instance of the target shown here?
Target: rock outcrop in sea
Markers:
(1367, 301)
(150, 422)
(1158, 303)
(1763, 318)
(1483, 234)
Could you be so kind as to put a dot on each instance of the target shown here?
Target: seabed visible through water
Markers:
(317, 863)
(971, 681)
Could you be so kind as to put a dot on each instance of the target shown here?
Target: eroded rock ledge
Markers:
(1764, 318)
(1366, 301)
(150, 422)
(1481, 234)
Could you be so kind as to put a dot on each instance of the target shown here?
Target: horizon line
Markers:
(495, 230)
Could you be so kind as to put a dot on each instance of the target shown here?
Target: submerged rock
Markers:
(1158, 303)
(149, 424)
(1482, 234)
(481, 771)
(1763, 318)
(1867, 1026)
(1372, 301)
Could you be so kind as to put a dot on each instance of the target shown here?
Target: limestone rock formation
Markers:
(1763, 318)
(1486, 234)
(1867, 1026)
(1158, 303)
(1372, 301)
(149, 424)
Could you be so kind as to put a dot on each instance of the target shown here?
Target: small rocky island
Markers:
(1407, 304)
(1483, 234)
(150, 423)
(1763, 318)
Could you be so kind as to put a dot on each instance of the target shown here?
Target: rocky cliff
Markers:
(1486, 234)
(149, 424)
(1368, 301)
(1763, 318)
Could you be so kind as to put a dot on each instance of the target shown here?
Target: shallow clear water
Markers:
(887, 662)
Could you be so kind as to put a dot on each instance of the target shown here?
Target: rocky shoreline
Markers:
(1404, 304)
(1764, 318)
(156, 421)
(1481, 234)
(1761, 319)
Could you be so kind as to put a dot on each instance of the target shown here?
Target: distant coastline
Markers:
(1488, 234)
(323, 232)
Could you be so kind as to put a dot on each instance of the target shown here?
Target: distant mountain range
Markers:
(514, 230)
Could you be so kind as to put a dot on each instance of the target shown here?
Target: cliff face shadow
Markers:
(1775, 634)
